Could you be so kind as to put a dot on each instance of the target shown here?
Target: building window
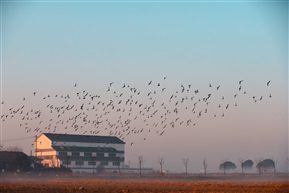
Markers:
(115, 163)
(111, 155)
(47, 157)
(66, 162)
(79, 163)
(75, 154)
(104, 163)
(100, 154)
(88, 154)
(91, 163)
(62, 153)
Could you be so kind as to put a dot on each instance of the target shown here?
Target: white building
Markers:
(80, 153)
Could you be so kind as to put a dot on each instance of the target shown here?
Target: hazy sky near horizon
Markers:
(49, 46)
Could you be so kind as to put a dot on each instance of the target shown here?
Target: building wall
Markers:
(86, 162)
(43, 143)
(88, 167)
(46, 152)
(51, 158)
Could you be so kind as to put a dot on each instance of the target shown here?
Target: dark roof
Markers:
(34, 159)
(11, 156)
(83, 138)
(85, 149)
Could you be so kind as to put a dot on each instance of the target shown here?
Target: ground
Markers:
(213, 183)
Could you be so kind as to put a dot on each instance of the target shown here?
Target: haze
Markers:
(47, 47)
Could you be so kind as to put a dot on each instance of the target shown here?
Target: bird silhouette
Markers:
(122, 110)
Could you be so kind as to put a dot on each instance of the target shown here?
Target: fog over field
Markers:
(175, 80)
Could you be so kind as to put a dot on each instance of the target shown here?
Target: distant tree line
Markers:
(262, 165)
(14, 148)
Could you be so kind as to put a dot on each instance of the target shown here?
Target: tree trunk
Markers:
(140, 170)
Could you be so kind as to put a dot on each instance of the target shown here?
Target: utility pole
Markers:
(67, 160)
(35, 153)
(93, 163)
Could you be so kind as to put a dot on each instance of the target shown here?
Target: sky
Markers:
(47, 47)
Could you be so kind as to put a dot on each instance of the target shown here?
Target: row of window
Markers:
(46, 157)
(86, 154)
(90, 163)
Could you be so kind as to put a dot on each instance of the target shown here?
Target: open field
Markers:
(136, 184)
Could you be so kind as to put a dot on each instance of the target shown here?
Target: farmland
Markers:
(136, 184)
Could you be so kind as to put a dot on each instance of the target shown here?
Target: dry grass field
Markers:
(139, 185)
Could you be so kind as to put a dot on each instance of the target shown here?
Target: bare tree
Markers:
(140, 163)
(241, 160)
(258, 164)
(186, 164)
(161, 161)
(93, 163)
(15, 148)
(205, 165)
(275, 162)
(67, 161)
(288, 163)
(117, 159)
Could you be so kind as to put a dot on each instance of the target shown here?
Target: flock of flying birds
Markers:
(124, 110)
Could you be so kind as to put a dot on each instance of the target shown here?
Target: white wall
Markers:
(43, 145)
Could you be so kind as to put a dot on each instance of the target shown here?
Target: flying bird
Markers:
(147, 109)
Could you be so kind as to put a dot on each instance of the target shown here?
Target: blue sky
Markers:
(49, 46)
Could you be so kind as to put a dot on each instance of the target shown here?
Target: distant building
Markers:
(35, 162)
(80, 153)
(11, 161)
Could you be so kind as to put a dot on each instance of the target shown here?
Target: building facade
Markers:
(80, 153)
